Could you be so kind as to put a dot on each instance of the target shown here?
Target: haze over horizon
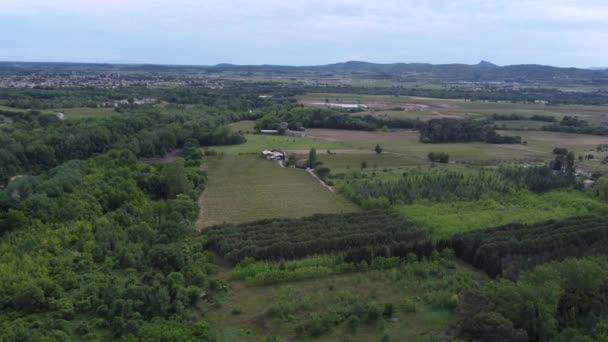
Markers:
(563, 33)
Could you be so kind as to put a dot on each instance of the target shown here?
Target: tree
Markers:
(570, 167)
(322, 171)
(378, 149)
(174, 178)
(600, 188)
(312, 158)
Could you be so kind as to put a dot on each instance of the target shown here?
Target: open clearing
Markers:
(427, 108)
(85, 113)
(300, 300)
(406, 143)
(446, 219)
(248, 188)
(257, 143)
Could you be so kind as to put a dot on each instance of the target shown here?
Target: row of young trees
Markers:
(457, 130)
(516, 117)
(299, 117)
(507, 249)
(318, 234)
(426, 184)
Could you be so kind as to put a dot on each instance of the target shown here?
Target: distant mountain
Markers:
(486, 64)
(483, 71)
(598, 68)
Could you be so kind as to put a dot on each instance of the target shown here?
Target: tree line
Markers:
(457, 130)
(317, 234)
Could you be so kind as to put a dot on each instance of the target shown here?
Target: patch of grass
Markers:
(244, 126)
(13, 109)
(422, 294)
(257, 143)
(446, 219)
(459, 107)
(406, 143)
(248, 188)
(344, 162)
(85, 113)
(520, 124)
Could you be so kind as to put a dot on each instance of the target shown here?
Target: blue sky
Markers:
(306, 32)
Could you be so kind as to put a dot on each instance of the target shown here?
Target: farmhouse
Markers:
(273, 155)
(269, 131)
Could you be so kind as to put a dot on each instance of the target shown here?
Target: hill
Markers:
(483, 71)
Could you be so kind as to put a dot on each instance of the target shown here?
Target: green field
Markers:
(257, 143)
(244, 126)
(85, 113)
(406, 144)
(422, 304)
(13, 109)
(353, 161)
(445, 219)
(248, 188)
(520, 124)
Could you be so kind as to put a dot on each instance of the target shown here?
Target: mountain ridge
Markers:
(482, 71)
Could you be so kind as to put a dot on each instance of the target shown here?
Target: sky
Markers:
(306, 32)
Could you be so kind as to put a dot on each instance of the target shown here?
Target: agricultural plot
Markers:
(257, 143)
(493, 250)
(343, 162)
(85, 113)
(520, 124)
(349, 306)
(546, 141)
(427, 108)
(406, 144)
(446, 219)
(248, 188)
(318, 234)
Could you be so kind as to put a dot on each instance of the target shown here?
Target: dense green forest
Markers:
(99, 248)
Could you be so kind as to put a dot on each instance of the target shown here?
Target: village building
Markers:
(273, 155)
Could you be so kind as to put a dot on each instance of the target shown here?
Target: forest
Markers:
(99, 249)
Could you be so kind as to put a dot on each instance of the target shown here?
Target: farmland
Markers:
(248, 188)
(284, 311)
(446, 219)
(86, 113)
(257, 143)
(426, 108)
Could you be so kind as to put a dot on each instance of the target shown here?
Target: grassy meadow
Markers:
(427, 108)
(422, 305)
(85, 113)
(248, 188)
(257, 143)
(448, 218)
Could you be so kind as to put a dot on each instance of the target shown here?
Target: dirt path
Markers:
(312, 173)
